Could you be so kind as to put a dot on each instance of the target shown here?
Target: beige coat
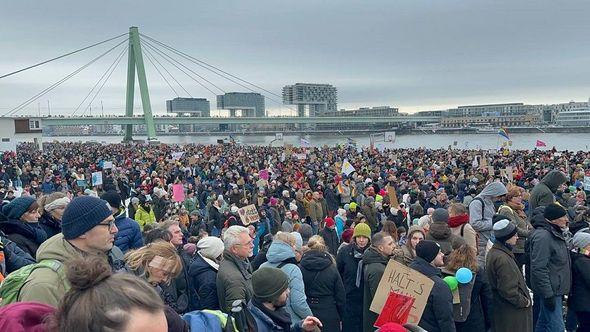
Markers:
(469, 235)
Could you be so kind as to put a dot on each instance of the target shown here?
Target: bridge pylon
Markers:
(135, 60)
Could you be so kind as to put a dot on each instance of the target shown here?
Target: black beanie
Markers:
(554, 211)
(427, 250)
(113, 198)
(268, 283)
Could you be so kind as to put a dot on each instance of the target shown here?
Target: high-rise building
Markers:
(250, 104)
(189, 106)
(311, 99)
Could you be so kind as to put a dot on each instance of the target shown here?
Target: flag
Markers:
(502, 132)
(304, 142)
(347, 168)
(540, 143)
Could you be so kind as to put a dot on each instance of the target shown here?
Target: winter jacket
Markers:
(467, 233)
(324, 288)
(143, 217)
(280, 253)
(370, 212)
(216, 218)
(512, 306)
(347, 261)
(482, 223)
(441, 233)
(266, 324)
(14, 256)
(543, 193)
(330, 239)
(28, 236)
(234, 281)
(580, 292)
(129, 235)
(438, 313)
(374, 264)
(45, 285)
(49, 224)
(550, 262)
(203, 275)
(178, 290)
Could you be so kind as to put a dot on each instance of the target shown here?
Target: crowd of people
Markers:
(97, 237)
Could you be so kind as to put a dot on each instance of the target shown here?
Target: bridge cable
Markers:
(148, 56)
(216, 69)
(56, 84)
(167, 71)
(62, 56)
(169, 58)
(99, 80)
(106, 79)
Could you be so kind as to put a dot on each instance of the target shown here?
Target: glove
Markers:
(549, 303)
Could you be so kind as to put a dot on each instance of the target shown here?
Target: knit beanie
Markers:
(347, 235)
(113, 198)
(581, 240)
(554, 211)
(268, 283)
(306, 232)
(15, 209)
(440, 215)
(83, 214)
(427, 250)
(362, 229)
(329, 222)
(298, 241)
(504, 230)
(210, 247)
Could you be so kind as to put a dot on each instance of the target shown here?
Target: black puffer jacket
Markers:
(28, 236)
(347, 261)
(374, 264)
(580, 293)
(324, 288)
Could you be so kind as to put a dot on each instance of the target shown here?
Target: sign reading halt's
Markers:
(249, 214)
(403, 280)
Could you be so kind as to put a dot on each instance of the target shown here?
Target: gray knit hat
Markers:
(581, 240)
(440, 215)
(268, 283)
(504, 230)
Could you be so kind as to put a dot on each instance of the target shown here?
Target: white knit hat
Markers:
(210, 247)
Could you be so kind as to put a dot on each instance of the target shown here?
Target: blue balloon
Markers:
(464, 275)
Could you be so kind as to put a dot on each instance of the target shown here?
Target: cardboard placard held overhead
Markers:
(403, 280)
(178, 192)
(392, 197)
(249, 214)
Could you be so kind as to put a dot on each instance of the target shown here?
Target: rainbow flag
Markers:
(502, 132)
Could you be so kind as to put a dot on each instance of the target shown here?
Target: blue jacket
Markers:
(14, 256)
(280, 252)
(129, 235)
(265, 324)
(204, 287)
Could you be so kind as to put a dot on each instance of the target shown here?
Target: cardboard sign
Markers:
(403, 280)
(97, 178)
(192, 160)
(178, 192)
(249, 214)
(392, 197)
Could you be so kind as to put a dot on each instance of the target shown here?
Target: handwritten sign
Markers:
(249, 214)
(97, 178)
(406, 281)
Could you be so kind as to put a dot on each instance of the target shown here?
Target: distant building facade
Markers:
(493, 110)
(311, 99)
(532, 119)
(189, 106)
(20, 130)
(378, 111)
(576, 117)
(250, 104)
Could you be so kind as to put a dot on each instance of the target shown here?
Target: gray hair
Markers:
(231, 235)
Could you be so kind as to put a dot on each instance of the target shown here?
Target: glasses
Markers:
(109, 225)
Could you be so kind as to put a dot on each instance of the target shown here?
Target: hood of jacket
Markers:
(315, 260)
(440, 231)
(372, 255)
(57, 248)
(422, 266)
(279, 251)
(554, 179)
(493, 189)
(538, 217)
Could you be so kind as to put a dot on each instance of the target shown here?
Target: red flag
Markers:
(540, 144)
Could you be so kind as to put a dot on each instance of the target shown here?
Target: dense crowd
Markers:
(98, 237)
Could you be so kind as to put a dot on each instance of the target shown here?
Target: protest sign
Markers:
(587, 183)
(263, 174)
(107, 165)
(396, 309)
(347, 168)
(406, 281)
(392, 196)
(300, 156)
(97, 178)
(178, 192)
(177, 155)
(249, 214)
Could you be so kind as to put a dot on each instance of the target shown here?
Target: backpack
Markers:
(483, 206)
(14, 282)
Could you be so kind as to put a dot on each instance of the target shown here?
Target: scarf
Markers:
(358, 254)
(518, 209)
(279, 316)
(457, 221)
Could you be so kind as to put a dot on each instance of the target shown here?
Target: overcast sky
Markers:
(412, 54)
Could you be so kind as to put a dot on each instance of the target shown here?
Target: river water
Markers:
(574, 141)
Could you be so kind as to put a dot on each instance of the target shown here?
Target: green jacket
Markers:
(45, 285)
(234, 281)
